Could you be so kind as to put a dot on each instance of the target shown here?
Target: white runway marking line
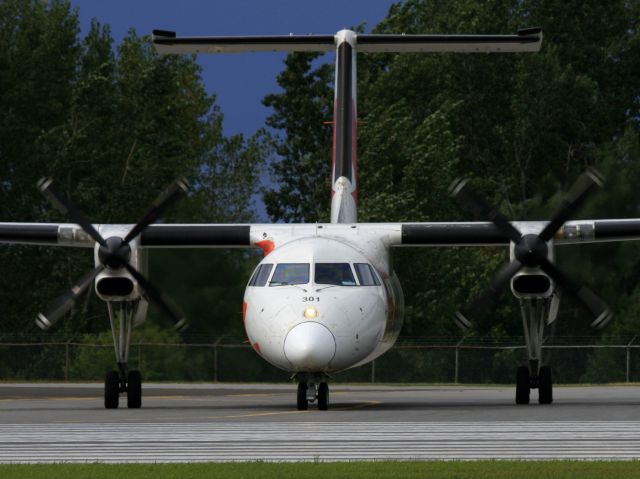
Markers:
(233, 441)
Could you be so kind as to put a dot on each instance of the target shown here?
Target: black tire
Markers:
(111, 390)
(134, 390)
(523, 385)
(545, 389)
(303, 404)
(323, 396)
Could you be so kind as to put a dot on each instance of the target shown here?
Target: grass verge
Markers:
(365, 470)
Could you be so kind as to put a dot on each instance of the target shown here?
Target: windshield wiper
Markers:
(330, 286)
(284, 283)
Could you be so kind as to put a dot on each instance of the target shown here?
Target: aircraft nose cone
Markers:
(309, 346)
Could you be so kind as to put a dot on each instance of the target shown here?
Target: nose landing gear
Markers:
(310, 389)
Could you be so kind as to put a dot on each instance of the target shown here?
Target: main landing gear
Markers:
(310, 389)
(123, 380)
(535, 313)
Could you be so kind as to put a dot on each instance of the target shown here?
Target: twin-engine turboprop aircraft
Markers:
(324, 298)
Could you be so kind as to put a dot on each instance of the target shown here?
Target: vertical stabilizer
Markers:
(344, 188)
(344, 194)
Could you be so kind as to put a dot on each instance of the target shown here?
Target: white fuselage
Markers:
(322, 306)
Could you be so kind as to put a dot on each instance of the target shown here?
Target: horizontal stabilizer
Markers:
(526, 40)
(168, 42)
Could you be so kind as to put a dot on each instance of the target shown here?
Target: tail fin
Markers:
(347, 43)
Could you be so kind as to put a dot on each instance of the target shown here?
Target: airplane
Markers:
(325, 298)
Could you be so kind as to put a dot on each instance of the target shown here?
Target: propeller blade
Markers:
(166, 199)
(65, 302)
(67, 208)
(461, 191)
(573, 200)
(462, 321)
(593, 303)
(159, 299)
(489, 297)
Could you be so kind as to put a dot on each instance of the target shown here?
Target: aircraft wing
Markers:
(487, 234)
(205, 235)
(156, 235)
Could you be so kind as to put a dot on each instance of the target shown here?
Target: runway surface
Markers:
(223, 422)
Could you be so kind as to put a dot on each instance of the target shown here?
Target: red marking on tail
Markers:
(267, 246)
(354, 150)
(333, 149)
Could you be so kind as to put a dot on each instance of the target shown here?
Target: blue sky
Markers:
(240, 81)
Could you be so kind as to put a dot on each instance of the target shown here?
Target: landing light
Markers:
(310, 313)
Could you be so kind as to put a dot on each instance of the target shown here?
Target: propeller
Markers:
(114, 252)
(531, 250)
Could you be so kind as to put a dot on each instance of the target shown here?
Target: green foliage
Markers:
(113, 125)
(91, 360)
(353, 469)
(303, 171)
(523, 126)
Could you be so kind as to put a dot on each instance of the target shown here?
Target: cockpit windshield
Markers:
(290, 273)
(366, 276)
(338, 274)
(261, 275)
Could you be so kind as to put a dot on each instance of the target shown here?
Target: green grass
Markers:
(322, 470)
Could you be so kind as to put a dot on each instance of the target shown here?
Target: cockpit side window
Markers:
(338, 274)
(290, 273)
(366, 275)
(261, 275)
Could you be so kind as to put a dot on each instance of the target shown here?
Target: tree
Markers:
(523, 126)
(113, 127)
(301, 112)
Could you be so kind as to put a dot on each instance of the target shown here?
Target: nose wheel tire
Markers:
(523, 385)
(303, 403)
(545, 387)
(323, 396)
(111, 390)
(134, 390)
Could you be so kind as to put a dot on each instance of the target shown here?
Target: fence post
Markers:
(373, 371)
(215, 362)
(215, 358)
(66, 360)
(457, 362)
(629, 356)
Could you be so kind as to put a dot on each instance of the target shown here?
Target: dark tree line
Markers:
(523, 126)
(113, 124)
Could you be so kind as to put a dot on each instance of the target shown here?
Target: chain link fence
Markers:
(424, 360)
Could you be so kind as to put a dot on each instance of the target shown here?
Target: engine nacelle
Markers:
(118, 284)
(531, 282)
